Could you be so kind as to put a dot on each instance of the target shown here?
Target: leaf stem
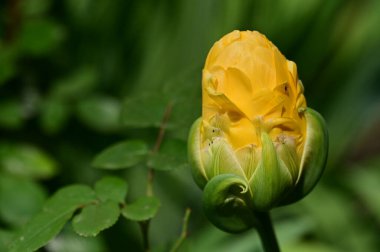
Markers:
(157, 145)
(184, 233)
(144, 225)
(266, 232)
(161, 132)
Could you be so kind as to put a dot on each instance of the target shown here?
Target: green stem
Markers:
(266, 232)
(156, 148)
(144, 226)
(183, 235)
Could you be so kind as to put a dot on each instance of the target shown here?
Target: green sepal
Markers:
(194, 154)
(287, 156)
(227, 203)
(271, 179)
(314, 156)
(248, 159)
(220, 158)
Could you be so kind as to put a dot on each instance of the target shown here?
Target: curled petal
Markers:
(227, 203)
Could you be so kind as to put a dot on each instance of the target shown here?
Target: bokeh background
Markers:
(78, 75)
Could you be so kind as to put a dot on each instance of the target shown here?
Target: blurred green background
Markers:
(77, 76)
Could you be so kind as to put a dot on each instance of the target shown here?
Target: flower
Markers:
(257, 144)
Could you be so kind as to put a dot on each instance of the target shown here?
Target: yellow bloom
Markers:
(256, 129)
(249, 86)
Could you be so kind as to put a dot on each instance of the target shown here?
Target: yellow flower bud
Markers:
(256, 129)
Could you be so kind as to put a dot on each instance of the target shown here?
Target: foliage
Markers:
(85, 88)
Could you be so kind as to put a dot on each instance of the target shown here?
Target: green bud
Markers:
(240, 183)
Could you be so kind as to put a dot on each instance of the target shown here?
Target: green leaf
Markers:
(111, 188)
(11, 114)
(54, 114)
(40, 36)
(56, 212)
(101, 113)
(26, 160)
(143, 208)
(69, 241)
(76, 84)
(20, 199)
(7, 63)
(144, 110)
(121, 155)
(5, 238)
(34, 7)
(172, 155)
(95, 218)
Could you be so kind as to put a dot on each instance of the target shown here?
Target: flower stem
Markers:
(184, 234)
(266, 232)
